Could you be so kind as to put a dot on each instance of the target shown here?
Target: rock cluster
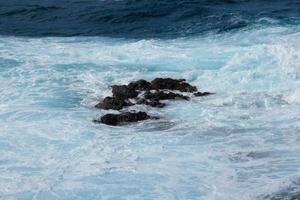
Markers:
(143, 92)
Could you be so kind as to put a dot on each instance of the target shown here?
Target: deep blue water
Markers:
(58, 59)
(139, 18)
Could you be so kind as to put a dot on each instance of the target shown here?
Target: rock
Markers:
(141, 85)
(143, 92)
(160, 95)
(173, 84)
(113, 103)
(200, 94)
(155, 103)
(151, 102)
(117, 119)
(123, 92)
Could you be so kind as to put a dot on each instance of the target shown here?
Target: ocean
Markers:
(58, 59)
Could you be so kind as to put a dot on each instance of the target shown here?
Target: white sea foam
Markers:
(241, 143)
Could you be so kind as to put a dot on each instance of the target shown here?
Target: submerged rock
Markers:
(113, 103)
(173, 84)
(117, 119)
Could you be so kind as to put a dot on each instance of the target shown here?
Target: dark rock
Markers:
(155, 103)
(160, 95)
(113, 103)
(173, 84)
(142, 92)
(123, 92)
(201, 94)
(117, 119)
(151, 102)
(141, 85)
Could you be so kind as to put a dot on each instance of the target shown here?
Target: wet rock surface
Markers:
(201, 94)
(160, 95)
(142, 92)
(123, 92)
(141, 85)
(151, 102)
(117, 119)
(113, 103)
(173, 84)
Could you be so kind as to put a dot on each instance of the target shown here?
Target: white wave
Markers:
(199, 150)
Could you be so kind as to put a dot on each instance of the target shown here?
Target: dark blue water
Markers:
(139, 18)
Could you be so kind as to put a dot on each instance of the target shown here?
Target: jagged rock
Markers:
(113, 103)
(143, 92)
(173, 84)
(117, 119)
(141, 85)
(160, 95)
(200, 94)
(155, 103)
(123, 92)
(151, 102)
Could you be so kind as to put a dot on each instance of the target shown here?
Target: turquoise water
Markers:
(241, 143)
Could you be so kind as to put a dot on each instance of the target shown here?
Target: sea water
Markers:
(240, 143)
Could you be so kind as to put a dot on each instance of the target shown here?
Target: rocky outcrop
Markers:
(173, 84)
(146, 93)
(124, 92)
(140, 85)
(161, 95)
(118, 119)
(113, 103)
(151, 102)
